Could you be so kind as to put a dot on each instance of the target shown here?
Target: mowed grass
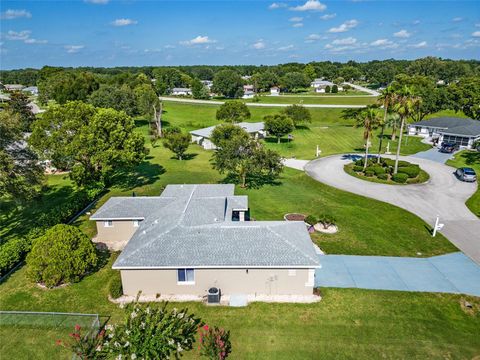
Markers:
(331, 100)
(471, 159)
(346, 324)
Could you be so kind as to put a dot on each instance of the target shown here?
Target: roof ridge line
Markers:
(291, 245)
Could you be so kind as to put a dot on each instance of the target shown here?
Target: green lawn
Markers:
(469, 159)
(315, 100)
(347, 323)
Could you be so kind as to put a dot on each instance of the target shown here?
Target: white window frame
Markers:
(108, 223)
(185, 282)
(135, 223)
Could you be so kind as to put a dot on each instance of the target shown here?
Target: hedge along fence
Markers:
(13, 252)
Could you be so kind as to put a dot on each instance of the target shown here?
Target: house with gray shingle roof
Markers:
(461, 131)
(195, 237)
(202, 136)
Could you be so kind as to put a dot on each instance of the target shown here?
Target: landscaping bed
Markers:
(382, 172)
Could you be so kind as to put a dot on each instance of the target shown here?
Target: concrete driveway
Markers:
(451, 273)
(443, 194)
(434, 154)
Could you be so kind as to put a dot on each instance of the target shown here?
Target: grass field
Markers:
(315, 100)
(346, 324)
(469, 159)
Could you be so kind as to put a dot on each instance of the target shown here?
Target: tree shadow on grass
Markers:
(471, 158)
(254, 181)
(302, 127)
(144, 174)
(274, 140)
(186, 157)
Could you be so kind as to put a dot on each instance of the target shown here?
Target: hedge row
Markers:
(385, 167)
(15, 250)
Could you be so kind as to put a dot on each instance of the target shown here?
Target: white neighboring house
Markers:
(320, 85)
(202, 136)
(181, 91)
(275, 91)
(248, 91)
(14, 87)
(461, 131)
(32, 90)
(207, 83)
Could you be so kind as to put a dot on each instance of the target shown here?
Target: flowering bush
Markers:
(85, 346)
(152, 333)
(214, 342)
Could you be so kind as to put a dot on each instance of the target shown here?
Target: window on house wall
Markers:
(108, 223)
(185, 276)
(135, 223)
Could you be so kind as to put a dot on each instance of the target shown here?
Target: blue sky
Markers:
(135, 33)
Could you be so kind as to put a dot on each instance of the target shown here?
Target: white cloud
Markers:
(286, 48)
(295, 19)
(72, 49)
(14, 14)
(199, 40)
(123, 22)
(18, 35)
(35, 41)
(260, 44)
(346, 41)
(416, 22)
(274, 6)
(168, 46)
(97, 2)
(297, 25)
(384, 44)
(310, 5)
(419, 45)
(476, 34)
(347, 25)
(328, 16)
(313, 38)
(402, 34)
(457, 19)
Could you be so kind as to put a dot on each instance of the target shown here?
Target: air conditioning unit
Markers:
(213, 296)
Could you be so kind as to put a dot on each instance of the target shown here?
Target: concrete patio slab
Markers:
(451, 273)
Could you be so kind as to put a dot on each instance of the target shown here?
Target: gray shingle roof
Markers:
(452, 125)
(251, 128)
(190, 226)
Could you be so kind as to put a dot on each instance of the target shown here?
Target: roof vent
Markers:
(144, 232)
(156, 221)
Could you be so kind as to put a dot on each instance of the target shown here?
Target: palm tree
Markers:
(405, 105)
(386, 99)
(369, 119)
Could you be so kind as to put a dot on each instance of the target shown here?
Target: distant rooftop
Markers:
(251, 128)
(191, 226)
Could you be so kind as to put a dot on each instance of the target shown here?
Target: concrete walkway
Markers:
(443, 194)
(364, 89)
(451, 273)
(214, 102)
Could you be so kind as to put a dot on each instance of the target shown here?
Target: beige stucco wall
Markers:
(229, 281)
(119, 233)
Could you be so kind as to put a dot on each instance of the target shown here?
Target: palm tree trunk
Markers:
(366, 154)
(381, 134)
(399, 145)
(278, 140)
(243, 176)
(394, 130)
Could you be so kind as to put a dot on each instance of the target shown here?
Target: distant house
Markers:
(248, 91)
(32, 90)
(14, 87)
(320, 85)
(275, 91)
(461, 131)
(181, 91)
(207, 83)
(193, 238)
(246, 77)
(202, 136)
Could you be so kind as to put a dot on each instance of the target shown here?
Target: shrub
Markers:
(334, 89)
(411, 171)
(85, 345)
(382, 176)
(215, 343)
(388, 162)
(378, 170)
(63, 254)
(358, 168)
(11, 253)
(326, 220)
(400, 178)
(169, 333)
(115, 287)
(311, 220)
(369, 173)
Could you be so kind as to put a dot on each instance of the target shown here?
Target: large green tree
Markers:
(177, 142)
(243, 157)
(19, 104)
(368, 119)
(63, 86)
(465, 96)
(225, 132)
(114, 97)
(228, 83)
(299, 114)
(20, 171)
(199, 91)
(263, 81)
(89, 142)
(278, 125)
(295, 80)
(233, 111)
(386, 100)
(146, 99)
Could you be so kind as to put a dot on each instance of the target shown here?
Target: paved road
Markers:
(364, 89)
(443, 194)
(214, 102)
(451, 273)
